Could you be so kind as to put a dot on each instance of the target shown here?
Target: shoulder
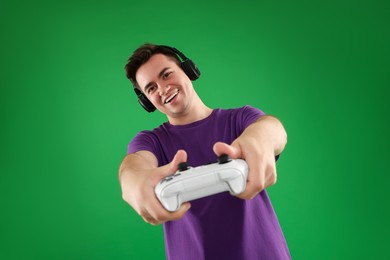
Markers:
(244, 111)
(154, 133)
(248, 109)
(146, 140)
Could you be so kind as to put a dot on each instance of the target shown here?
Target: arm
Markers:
(258, 145)
(138, 175)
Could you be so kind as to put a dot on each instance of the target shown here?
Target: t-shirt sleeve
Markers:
(249, 115)
(144, 140)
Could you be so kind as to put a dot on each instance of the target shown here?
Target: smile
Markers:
(169, 99)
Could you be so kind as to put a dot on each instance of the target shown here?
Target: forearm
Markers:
(267, 131)
(131, 173)
(137, 162)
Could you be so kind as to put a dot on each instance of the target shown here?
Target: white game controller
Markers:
(193, 183)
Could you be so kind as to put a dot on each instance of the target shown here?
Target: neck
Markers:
(196, 112)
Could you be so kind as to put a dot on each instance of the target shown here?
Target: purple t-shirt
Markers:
(220, 226)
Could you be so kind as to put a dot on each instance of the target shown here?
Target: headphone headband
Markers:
(176, 51)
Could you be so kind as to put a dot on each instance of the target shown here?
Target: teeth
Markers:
(170, 97)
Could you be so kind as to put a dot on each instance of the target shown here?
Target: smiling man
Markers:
(170, 90)
(220, 226)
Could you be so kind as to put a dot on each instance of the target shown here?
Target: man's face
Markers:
(166, 85)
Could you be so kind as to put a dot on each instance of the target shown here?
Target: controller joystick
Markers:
(183, 166)
(193, 183)
(224, 158)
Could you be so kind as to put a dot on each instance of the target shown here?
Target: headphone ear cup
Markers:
(190, 69)
(146, 104)
(144, 101)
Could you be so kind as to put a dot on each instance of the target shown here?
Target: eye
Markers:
(151, 89)
(167, 74)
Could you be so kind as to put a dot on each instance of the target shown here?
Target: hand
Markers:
(257, 145)
(138, 191)
(261, 164)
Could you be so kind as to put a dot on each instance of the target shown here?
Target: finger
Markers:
(144, 213)
(256, 178)
(251, 191)
(160, 215)
(220, 148)
(180, 212)
(157, 213)
(170, 168)
(180, 156)
(271, 176)
(148, 220)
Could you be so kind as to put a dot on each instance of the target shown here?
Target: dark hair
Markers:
(142, 55)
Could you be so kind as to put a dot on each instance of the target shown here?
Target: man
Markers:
(220, 226)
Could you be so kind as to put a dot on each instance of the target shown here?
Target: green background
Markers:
(68, 112)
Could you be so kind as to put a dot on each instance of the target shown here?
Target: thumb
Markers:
(220, 148)
(171, 168)
(180, 157)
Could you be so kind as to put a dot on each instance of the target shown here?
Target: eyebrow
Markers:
(159, 75)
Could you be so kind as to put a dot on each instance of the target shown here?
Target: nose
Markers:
(164, 90)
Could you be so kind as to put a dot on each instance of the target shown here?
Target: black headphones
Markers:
(189, 68)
